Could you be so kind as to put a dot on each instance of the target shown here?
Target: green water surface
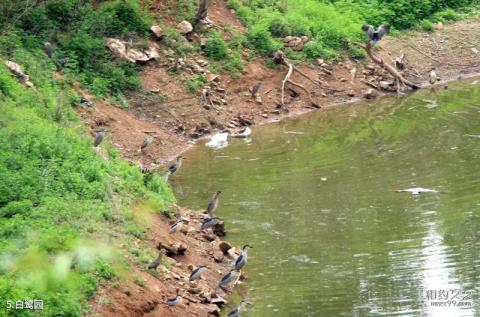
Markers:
(316, 197)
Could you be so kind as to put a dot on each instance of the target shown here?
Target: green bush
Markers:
(261, 39)
(216, 47)
(196, 82)
(427, 25)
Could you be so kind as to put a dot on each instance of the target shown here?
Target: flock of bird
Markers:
(197, 273)
(374, 36)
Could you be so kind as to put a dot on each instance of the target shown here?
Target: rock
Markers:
(213, 309)
(218, 256)
(439, 26)
(184, 27)
(224, 246)
(202, 62)
(203, 42)
(288, 39)
(320, 61)
(219, 301)
(209, 237)
(176, 248)
(194, 290)
(232, 253)
(370, 93)
(474, 50)
(157, 31)
(17, 70)
(351, 93)
(118, 48)
(384, 85)
(213, 77)
(304, 39)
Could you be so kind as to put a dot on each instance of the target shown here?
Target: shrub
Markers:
(196, 83)
(261, 39)
(427, 25)
(216, 47)
(279, 27)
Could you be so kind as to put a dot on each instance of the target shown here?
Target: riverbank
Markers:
(178, 118)
(144, 292)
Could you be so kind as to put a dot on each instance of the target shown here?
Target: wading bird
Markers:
(242, 258)
(86, 102)
(48, 48)
(375, 35)
(176, 166)
(99, 136)
(213, 204)
(148, 140)
(433, 76)
(176, 227)
(237, 311)
(176, 300)
(228, 278)
(197, 273)
(256, 89)
(209, 222)
(155, 263)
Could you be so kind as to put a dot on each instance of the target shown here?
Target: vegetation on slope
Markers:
(57, 195)
(333, 25)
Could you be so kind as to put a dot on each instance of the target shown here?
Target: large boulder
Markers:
(157, 31)
(184, 27)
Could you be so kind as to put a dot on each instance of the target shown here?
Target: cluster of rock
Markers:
(377, 79)
(295, 42)
(122, 50)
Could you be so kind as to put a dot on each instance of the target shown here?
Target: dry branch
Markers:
(377, 60)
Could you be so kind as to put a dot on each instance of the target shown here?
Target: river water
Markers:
(317, 198)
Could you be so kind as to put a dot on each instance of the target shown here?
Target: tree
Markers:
(202, 11)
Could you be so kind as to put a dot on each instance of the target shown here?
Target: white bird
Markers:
(218, 141)
(433, 76)
(174, 301)
(417, 190)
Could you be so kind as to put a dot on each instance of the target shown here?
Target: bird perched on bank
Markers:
(209, 222)
(375, 35)
(256, 89)
(86, 102)
(237, 311)
(176, 300)
(242, 258)
(197, 273)
(213, 203)
(48, 48)
(99, 136)
(228, 278)
(146, 142)
(176, 166)
(155, 263)
(176, 227)
(128, 44)
(433, 76)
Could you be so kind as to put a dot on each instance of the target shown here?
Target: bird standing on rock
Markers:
(155, 263)
(99, 136)
(209, 222)
(148, 140)
(433, 76)
(375, 35)
(176, 226)
(237, 311)
(176, 166)
(228, 278)
(197, 273)
(48, 48)
(213, 204)
(242, 258)
(174, 301)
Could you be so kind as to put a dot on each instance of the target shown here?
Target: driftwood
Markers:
(377, 60)
(279, 58)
